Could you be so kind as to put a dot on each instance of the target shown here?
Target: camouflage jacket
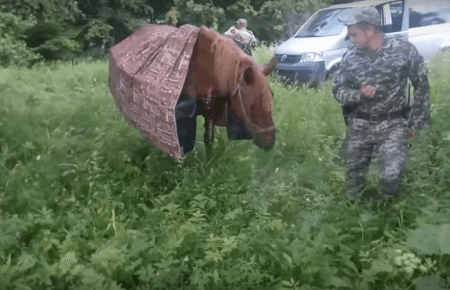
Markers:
(244, 36)
(388, 73)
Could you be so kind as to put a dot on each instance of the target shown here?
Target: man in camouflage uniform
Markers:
(372, 78)
(241, 35)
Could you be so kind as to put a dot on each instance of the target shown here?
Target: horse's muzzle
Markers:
(265, 141)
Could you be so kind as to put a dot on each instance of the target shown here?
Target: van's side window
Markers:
(425, 15)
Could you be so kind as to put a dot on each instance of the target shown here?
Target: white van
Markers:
(318, 46)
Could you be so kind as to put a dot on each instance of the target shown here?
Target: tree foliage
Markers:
(196, 13)
(13, 49)
(103, 21)
(54, 32)
(291, 14)
(66, 29)
(270, 20)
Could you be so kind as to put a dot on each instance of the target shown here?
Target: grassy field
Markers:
(86, 203)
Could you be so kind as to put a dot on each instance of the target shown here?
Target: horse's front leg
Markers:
(209, 134)
(209, 124)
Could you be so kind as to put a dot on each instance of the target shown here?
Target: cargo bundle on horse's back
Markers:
(162, 77)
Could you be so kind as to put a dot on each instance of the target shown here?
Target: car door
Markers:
(393, 23)
(429, 26)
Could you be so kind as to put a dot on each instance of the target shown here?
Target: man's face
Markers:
(242, 25)
(360, 36)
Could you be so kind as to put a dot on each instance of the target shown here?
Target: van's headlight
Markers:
(312, 56)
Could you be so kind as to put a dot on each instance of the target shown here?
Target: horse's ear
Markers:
(249, 76)
(268, 68)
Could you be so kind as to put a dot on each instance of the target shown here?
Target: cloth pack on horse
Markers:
(162, 77)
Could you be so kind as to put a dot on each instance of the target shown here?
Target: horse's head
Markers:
(219, 64)
(252, 102)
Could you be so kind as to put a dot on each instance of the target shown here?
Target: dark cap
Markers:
(357, 15)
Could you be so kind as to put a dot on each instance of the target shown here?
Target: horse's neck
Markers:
(215, 66)
(227, 65)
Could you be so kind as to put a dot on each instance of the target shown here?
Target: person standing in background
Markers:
(241, 35)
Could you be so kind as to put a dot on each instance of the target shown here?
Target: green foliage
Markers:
(269, 20)
(431, 239)
(285, 16)
(105, 21)
(66, 29)
(62, 30)
(53, 33)
(13, 49)
(51, 11)
(430, 283)
(195, 13)
(53, 40)
(86, 203)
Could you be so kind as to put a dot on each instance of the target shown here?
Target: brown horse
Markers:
(161, 75)
(220, 75)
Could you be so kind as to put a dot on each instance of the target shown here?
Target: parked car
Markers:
(316, 49)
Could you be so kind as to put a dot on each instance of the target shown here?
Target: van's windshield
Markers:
(324, 23)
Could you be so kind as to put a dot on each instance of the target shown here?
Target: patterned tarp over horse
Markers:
(147, 72)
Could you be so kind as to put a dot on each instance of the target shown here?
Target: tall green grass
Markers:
(86, 203)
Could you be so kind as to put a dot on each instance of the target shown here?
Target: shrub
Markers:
(13, 49)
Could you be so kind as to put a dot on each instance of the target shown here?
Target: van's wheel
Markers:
(331, 74)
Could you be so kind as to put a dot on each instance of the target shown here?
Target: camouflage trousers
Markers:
(389, 141)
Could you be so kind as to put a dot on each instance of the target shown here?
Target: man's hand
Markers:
(412, 134)
(367, 91)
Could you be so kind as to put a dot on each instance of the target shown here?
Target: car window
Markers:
(425, 15)
(397, 16)
(324, 23)
(393, 16)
